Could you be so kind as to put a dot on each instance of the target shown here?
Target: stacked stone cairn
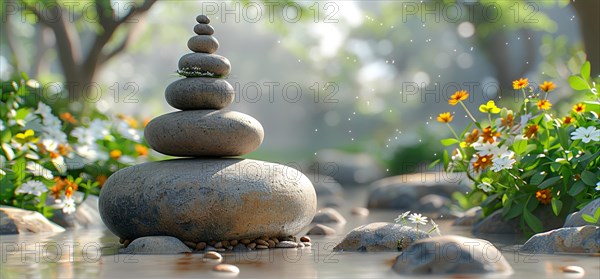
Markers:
(210, 199)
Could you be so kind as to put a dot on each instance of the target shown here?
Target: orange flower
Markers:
(489, 134)
(59, 184)
(472, 137)
(531, 131)
(458, 96)
(544, 196)
(116, 154)
(568, 120)
(54, 155)
(520, 83)
(579, 108)
(509, 121)
(69, 192)
(129, 120)
(64, 149)
(547, 86)
(146, 121)
(101, 179)
(141, 150)
(445, 117)
(482, 162)
(66, 116)
(544, 105)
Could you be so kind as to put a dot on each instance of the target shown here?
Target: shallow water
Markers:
(91, 254)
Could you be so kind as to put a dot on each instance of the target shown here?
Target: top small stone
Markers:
(203, 19)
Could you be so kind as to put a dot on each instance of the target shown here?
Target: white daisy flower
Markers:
(417, 218)
(68, 206)
(586, 134)
(33, 187)
(502, 163)
(402, 217)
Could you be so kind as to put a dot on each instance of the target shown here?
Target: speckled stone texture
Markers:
(203, 43)
(156, 245)
(207, 199)
(380, 236)
(203, 62)
(204, 29)
(199, 93)
(451, 255)
(585, 239)
(197, 133)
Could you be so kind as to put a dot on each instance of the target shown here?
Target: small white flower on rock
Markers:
(417, 218)
(68, 206)
(33, 187)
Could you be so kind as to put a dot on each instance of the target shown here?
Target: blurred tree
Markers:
(589, 23)
(80, 55)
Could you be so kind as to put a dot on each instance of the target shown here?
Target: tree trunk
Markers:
(590, 24)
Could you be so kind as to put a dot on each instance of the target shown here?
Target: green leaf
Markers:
(576, 188)
(519, 146)
(549, 182)
(589, 178)
(537, 178)
(563, 137)
(556, 206)
(533, 222)
(449, 141)
(446, 158)
(585, 70)
(433, 164)
(589, 218)
(578, 83)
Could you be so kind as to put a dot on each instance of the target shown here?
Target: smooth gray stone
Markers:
(451, 255)
(319, 229)
(25, 221)
(585, 239)
(156, 245)
(575, 219)
(196, 93)
(329, 215)
(213, 64)
(380, 236)
(198, 133)
(203, 44)
(203, 29)
(203, 19)
(199, 200)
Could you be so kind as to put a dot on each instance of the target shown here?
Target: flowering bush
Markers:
(521, 160)
(50, 162)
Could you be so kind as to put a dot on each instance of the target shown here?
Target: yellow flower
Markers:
(141, 150)
(25, 137)
(544, 196)
(568, 120)
(116, 154)
(445, 117)
(531, 131)
(547, 86)
(458, 96)
(520, 83)
(490, 107)
(579, 108)
(544, 105)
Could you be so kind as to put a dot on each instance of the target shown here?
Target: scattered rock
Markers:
(572, 269)
(347, 168)
(202, 19)
(380, 236)
(575, 220)
(329, 215)
(203, 199)
(305, 239)
(287, 244)
(319, 229)
(404, 191)
(194, 93)
(203, 44)
(204, 133)
(226, 268)
(359, 211)
(215, 64)
(585, 239)
(212, 256)
(15, 220)
(156, 245)
(451, 255)
(470, 217)
(204, 29)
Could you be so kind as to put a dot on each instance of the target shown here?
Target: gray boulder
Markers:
(380, 236)
(451, 255)
(405, 191)
(320, 229)
(347, 168)
(329, 215)
(575, 220)
(16, 220)
(156, 245)
(585, 239)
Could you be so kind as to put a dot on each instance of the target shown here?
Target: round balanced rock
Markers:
(197, 133)
(206, 199)
(204, 29)
(199, 93)
(203, 43)
(206, 64)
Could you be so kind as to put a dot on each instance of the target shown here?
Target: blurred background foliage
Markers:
(372, 73)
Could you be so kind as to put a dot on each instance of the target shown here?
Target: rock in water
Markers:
(156, 245)
(380, 236)
(585, 239)
(575, 219)
(205, 199)
(451, 255)
(204, 133)
(199, 93)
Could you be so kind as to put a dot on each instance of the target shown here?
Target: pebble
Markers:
(287, 244)
(203, 19)
(201, 246)
(305, 239)
(262, 247)
(203, 44)
(212, 255)
(319, 229)
(307, 244)
(360, 211)
(226, 268)
(218, 245)
(204, 29)
(261, 242)
(245, 241)
(275, 240)
(233, 242)
(300, 245)
(572, 269)
(251, 245)
(271, 243)
(208, 64)
(190, 244)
